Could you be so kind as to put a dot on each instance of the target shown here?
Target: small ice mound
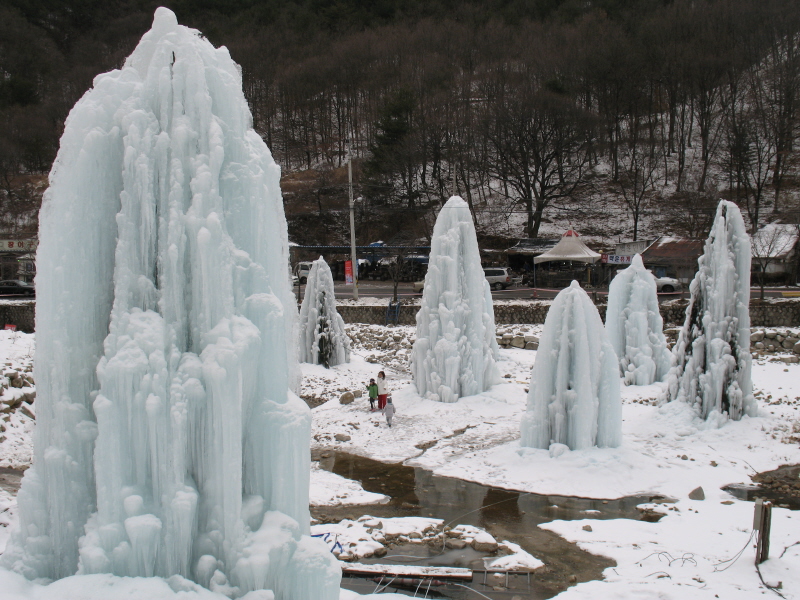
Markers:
(635, 327)
(574, 398)
(455, 352)
(323, 340)
(557, 450)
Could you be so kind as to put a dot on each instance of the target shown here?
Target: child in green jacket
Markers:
(372, 389)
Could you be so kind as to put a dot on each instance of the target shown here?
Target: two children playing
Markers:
(377, 391)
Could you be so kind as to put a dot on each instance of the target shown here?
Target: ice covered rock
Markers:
(634, 325)
(455, 351)
(323, 340)
(712, 356)
(168, 441)
(574, 398)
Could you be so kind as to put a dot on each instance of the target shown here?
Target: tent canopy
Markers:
(569, 247)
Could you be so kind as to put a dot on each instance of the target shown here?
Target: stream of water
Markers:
(507, 515)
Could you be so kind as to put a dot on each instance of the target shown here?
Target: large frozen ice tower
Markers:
(456, 350)
(574, 398)
(168, 441)
(712, 356)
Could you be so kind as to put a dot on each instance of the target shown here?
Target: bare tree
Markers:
(539, 148)
(639, 163)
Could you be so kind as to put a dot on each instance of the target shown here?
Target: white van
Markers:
(301, 271)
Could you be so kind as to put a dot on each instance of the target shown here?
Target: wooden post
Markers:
(762, 522)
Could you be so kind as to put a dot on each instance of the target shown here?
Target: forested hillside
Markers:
(628, 116)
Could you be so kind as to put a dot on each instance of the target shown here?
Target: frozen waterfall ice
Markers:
(574, 398)
(323, 340)
(634, 325)
(168, 441)
(712, 356)
(456, 351)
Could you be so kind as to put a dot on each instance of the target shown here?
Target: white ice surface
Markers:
(456, 349)
(635, 327)
(574, 399)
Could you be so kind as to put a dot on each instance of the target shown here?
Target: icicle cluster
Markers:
(712, 356)
(323, 340)
(168, 441)
(456, 350)
(635, 328)
(574, 398)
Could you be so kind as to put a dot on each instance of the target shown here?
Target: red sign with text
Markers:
(348, 272)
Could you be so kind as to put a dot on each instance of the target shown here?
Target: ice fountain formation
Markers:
(168, 441)
(323, 340)
(456, 349)
(634, 325)
(712, 356)
(574, 398)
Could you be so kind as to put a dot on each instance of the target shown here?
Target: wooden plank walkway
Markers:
(443, 573)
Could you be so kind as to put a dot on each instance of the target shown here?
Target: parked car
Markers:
(667, 285)
(301, 271)
(499, 278)
(14, 287)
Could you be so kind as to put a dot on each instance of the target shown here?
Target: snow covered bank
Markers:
(17, 396)
(371, 536)
(477, 438)
(329, 489)
(688, 555)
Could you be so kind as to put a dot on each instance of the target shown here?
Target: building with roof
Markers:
(18, 257)
(520, 256)
(775, 253)
(569, 248)
(670, 256)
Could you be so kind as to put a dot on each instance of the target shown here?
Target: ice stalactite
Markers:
(634, 325)
(712, 356)
(168, 441)
(323, 340)
(456, 350)
(574, 398)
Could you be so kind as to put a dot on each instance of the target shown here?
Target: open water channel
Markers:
(507, 515)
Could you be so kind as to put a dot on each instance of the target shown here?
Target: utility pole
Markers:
(354, 260)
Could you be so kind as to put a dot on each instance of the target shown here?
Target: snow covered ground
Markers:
(666, 452)
(16, 427)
